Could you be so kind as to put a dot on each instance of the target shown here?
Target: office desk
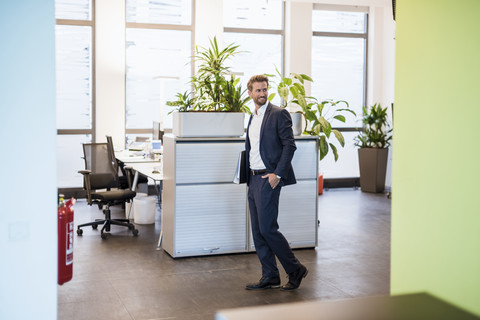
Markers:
(419, 306)
(150, 168)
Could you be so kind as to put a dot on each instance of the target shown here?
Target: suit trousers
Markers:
(269, 242)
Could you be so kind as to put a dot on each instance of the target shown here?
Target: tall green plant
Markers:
(209, 83)
(376, 131)
(211, 89)
(318, 115)
(234, 98)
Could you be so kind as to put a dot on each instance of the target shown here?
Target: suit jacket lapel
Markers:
(265, 116)
(248, 128)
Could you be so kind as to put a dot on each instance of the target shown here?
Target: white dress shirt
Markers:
(256, 162)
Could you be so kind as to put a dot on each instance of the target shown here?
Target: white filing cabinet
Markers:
(204, 212)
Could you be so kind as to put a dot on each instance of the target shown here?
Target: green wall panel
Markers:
(436, 156)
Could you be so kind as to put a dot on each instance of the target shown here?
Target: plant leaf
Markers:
(298, 77)
(304, 76)
(302, 102)
(339, 137)
(326, 126)
(300, 88)
(349, 110)
(287, 81)
(283, 92)
(339, 117)
(335, 152)
(294, 91)
(323, 147)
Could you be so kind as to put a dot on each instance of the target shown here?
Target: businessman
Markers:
(269, 151)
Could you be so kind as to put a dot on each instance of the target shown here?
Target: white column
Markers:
(298, 39)
(110, 70)
(208, 22)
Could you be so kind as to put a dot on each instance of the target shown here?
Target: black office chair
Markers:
(100, 179)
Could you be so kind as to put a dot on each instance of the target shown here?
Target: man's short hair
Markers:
(257, 78)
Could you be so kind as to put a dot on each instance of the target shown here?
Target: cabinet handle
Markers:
(211, 249)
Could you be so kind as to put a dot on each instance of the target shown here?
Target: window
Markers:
(158, 42)
(75, 102)
(257, 27)
(339, 49)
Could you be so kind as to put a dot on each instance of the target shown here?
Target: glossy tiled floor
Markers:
(124, 277)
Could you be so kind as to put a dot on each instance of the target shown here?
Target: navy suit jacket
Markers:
(277, 144)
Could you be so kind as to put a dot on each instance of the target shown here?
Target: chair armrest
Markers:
(86, 184)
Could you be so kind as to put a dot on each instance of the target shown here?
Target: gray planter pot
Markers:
(208, 124)
(373, 169)
(296, 123)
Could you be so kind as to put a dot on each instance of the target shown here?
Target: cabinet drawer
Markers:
(210, 219)
(297, 216)
(305, 159)
(207, 162)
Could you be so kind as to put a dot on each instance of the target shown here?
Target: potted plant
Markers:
(216, 105)
(318, 115)
(373, 143)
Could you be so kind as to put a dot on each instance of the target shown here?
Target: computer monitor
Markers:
(157, 146)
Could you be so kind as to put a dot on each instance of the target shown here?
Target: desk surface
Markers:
(127, 156)
(152, 170)
(403, 307)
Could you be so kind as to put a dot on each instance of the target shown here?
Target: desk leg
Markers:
(159, 190)
(159, 245)
(135, 181)
(134, 187)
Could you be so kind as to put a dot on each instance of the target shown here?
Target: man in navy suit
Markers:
(269, 150)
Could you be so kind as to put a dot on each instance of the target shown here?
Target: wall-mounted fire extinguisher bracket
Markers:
(65, 239)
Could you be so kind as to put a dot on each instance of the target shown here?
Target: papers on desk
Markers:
(137, 146)
(240, 173)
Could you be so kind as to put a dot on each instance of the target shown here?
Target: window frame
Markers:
(159, 26)
(351, 181)
(265, 31)
(342, 8)
(89, 23)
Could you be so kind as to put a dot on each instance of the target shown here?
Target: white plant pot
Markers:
(208, 124)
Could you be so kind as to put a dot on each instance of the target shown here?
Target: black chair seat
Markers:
(114, 195)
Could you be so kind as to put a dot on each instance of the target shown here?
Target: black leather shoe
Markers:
(295, 278)
(265, 283)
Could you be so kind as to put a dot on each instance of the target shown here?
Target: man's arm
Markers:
(285, 135)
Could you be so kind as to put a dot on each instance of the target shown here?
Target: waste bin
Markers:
(129, 204)
(144, 208)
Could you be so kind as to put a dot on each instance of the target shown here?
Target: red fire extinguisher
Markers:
(65, 240)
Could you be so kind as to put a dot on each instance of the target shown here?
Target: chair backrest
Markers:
(97, 159)
(111, 153)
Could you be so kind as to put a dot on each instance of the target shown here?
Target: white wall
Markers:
(28, 194)
(298, 39)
